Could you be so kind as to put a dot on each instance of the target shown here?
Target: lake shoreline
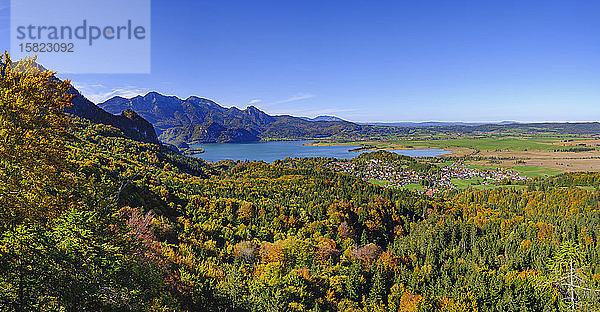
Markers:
(277, 150)
(367, 148)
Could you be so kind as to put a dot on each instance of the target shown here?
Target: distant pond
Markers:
(271, 151)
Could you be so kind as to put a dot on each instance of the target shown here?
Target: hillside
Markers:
(323, 118)
(210, 132)
(129, 122)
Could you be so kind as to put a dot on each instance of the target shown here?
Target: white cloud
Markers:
(297, 97)
(98, 93)
(315, 113)
(254, 101)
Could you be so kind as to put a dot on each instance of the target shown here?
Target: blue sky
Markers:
(373, 61)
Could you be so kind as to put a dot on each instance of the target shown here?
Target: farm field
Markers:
(506, 143)
(533, 156)
(491, 143)
(528, 171)
(488, 143)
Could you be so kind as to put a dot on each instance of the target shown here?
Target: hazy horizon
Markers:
(257, 105)
(372, 122)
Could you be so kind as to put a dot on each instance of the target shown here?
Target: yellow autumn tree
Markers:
(34, 177)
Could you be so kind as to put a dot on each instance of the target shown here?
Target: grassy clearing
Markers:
(513, 186)
(413, 187)
(528, 171)
(463, 184)
(587, 188)
(534, 171)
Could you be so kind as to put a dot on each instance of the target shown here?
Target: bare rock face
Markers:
(137, 127)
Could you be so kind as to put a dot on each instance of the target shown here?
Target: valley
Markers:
(300, 156)
(97, 214)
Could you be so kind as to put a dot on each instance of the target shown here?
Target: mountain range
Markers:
(323, 118)
(199, 120)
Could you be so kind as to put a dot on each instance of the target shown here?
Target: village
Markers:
(431, 181)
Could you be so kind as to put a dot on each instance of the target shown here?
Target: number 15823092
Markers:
(47, 47)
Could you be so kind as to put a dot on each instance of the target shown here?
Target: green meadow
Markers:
(534, 171)
(484, 143)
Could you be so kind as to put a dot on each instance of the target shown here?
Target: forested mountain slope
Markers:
(129, 122)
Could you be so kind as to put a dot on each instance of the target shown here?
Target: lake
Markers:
(271, 151)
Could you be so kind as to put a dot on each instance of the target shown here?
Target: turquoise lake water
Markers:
(271, 151)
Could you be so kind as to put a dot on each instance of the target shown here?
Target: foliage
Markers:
(141, 228)
(33, 129)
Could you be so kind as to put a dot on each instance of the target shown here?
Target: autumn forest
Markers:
(93, 220)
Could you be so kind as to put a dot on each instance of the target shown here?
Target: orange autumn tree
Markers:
(33, 157)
